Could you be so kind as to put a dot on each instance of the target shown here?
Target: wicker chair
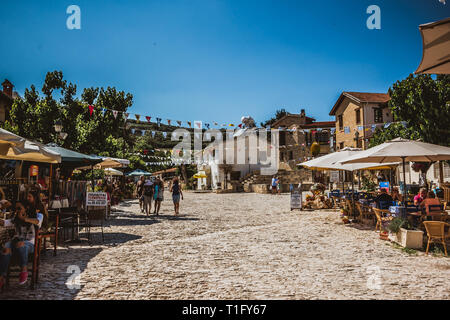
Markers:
(379, 214)
(364, 211)
(436, 232)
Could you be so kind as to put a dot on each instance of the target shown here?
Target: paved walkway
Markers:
(238, 246)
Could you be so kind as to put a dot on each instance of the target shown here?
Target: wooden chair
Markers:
(35, 258)
(364, 211)
(51, 233)
(379, 213)
(436, 232)
(338, 203)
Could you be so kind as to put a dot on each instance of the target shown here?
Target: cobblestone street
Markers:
(237, 246)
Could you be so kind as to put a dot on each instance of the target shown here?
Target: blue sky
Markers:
(216, 60)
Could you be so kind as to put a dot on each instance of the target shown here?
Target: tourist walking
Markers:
(147, 196)
(175, 188)
(274, 184)
(158, 195)
(139, 191)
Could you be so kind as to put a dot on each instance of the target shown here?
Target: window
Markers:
(341, 122)
(358, 116)
(341, 145)
(291, 155)
(378, 115)
(282, 138)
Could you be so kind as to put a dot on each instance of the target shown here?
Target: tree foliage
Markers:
(423, 104)
(35, 115)
(280, 113)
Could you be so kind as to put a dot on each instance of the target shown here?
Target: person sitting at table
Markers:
(382, 199)
(420, 196)
(396, 196)
(428, 201)
(26, 223)
(34, 203)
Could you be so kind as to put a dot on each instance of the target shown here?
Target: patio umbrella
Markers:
(402, 150)
(14, 147)
(72, 158)
(332, 161)
(436, 47)
(139, 172)
(113, 172)
(200, 175)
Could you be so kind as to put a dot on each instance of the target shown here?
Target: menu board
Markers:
(96, 199)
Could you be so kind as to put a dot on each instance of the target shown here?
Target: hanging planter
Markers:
(421, 166)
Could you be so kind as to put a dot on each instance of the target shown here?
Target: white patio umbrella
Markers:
(113, 172)
(331, 161)
(401, 150)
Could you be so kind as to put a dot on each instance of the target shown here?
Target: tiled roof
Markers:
(361, 97)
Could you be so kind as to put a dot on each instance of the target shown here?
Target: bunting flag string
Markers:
(198, 124)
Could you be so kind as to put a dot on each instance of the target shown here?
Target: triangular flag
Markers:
(148, 118)
(137, 117)
(189, 123)
(91, 109)
(168, 121)
(143, 132)
(207, 125)
(115, 113)
(103, 111)
(159, 121)
(133, 131)
(153, 133)
(165, 134)
(179, 123)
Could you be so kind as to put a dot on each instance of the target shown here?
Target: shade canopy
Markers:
(108, 162)
(113, 172)
(139, 172)
(72, 158)
(401, 150)
(436, 47)
(200, 175)
(14, 147)
(332, 162)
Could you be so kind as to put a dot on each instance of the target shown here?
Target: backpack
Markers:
(148, 191)
(176, 189)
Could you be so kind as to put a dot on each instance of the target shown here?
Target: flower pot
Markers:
(408, 238)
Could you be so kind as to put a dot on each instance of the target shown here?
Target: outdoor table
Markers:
(398, 211)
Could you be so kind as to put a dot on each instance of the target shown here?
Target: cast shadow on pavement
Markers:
(55, 274)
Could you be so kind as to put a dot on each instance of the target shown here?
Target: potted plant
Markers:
(402, 232)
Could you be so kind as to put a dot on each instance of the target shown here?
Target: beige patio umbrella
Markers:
(113, 172)
(436, 47)
(401, 150)
(14, 147)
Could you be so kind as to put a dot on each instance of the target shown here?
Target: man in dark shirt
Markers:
(382, 199)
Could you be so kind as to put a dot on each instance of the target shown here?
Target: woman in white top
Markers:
(27, 222)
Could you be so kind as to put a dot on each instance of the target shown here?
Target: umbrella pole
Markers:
(353, 195)
(405, 193)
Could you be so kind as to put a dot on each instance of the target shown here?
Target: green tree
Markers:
(422, 103)
(101, 133)
(278, 115)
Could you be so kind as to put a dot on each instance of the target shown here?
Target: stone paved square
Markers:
(237, 246)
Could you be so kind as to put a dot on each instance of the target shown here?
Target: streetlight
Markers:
(58, 129)
(58, 126)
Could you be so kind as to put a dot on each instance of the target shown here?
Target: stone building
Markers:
(298, 132)
(358, 114)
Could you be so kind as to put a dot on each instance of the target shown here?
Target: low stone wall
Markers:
(260, 188)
